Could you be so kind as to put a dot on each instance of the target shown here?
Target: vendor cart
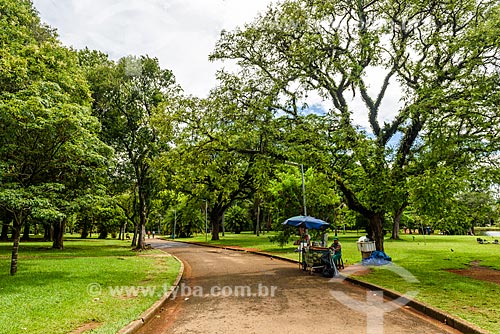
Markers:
(318, 259)
(313, 258)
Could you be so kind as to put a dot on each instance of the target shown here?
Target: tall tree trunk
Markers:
(223, 227)
(376, 220)
(397, 221)
(377, 232)
(85, 231)
(255, 217)
(141, 236)
(215, 219)
(16, 235)
(48, 232)
(136, 233)
(215, 228)
(103, 234)
(397, 224)
(143, 218)
(26, 231)
(59, 227)
(257, 229)
(124, 230)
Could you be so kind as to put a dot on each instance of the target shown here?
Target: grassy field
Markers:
(60, 291)
(427, 258)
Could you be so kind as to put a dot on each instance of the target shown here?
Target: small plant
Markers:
(282, 238)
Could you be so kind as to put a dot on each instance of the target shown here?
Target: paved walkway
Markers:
(232, 292)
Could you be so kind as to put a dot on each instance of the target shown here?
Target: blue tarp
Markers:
(377, 258)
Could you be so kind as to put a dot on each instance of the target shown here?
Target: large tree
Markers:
(49, 150)
(442, 58)
(222, 145)
(128, 95)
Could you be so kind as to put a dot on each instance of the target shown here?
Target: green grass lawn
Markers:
(59, 291)
(427, 259)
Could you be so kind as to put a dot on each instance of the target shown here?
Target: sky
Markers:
(180, 33)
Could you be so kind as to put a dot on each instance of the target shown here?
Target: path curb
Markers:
(147, 315)
(430, 311)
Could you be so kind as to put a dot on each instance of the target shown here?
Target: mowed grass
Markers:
(425, 261)
(58, 291)
(474, 300)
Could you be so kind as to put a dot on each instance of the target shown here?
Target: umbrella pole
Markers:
(303, 189)
(303, 182)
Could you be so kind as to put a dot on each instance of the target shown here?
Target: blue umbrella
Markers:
(307, 222)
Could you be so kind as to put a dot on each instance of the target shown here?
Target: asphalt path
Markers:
(224, 291)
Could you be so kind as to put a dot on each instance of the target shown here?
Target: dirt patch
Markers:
(478, 272)
(86, 327)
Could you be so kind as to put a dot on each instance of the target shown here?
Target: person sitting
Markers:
(336, 248)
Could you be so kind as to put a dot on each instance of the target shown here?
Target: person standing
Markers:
(304, 236)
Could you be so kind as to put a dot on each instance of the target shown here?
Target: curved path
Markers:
(224, 291)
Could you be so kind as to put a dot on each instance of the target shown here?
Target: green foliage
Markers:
(50, 153)
(284, 194)
(453, 202)
(222, 146)
(236, 219)
(129, 96)
(282, 238)
(440, 58)
(46, 130)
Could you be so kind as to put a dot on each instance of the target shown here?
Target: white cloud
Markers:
(180, 33)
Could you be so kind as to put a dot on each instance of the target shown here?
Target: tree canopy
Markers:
(441, 56)
(50, 153)
(128, 96)
(390, 106)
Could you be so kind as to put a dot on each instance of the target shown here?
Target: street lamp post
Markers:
(291, 163)
(206, 220)
(175, 223)
(159, 226)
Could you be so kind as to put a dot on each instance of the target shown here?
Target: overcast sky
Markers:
(180, 33)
